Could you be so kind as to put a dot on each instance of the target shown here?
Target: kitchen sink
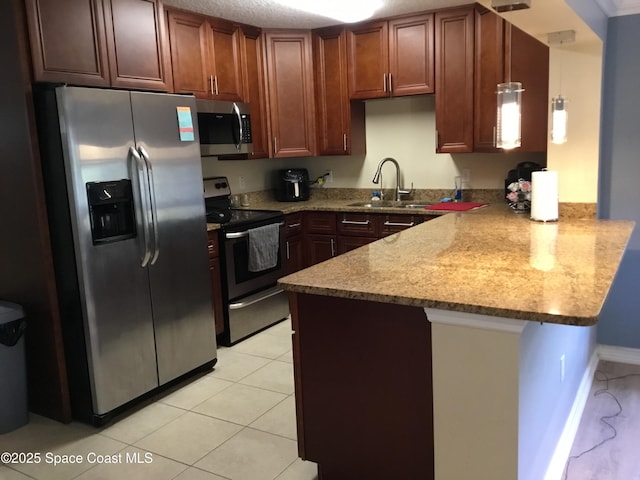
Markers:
(389, 204)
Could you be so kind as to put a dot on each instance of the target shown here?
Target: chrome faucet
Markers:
(399, 190)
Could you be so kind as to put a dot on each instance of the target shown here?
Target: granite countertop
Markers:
(490, 261)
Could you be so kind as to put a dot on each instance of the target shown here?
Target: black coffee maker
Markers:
(292, 185)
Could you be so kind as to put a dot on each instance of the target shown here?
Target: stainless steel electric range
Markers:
(252, 299)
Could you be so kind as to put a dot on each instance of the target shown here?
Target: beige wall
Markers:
(578, 74)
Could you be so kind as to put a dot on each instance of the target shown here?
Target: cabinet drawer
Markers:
(360, 224)
(388, 224)
(320, 222)
(292, 224)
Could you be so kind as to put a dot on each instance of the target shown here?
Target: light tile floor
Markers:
(236, 422)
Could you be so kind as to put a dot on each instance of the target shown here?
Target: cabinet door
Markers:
(489, 71)
(137, 44)
(189, 53)
(368, 54)
(254, 89)
(225, 61)
(454, 77)
(216, 294)
(530, 65)
(411, 55)
(347, 243)
(294, 259)
(68, 41)
(290, 86)
(339, 122)
(216, 281)
(332, 98)
(319, 248)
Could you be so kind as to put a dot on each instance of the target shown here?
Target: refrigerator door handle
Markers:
(152, 201)
(143, 201)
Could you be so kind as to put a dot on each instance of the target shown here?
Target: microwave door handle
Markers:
(152, 198)
(236, 110)
(144, 203)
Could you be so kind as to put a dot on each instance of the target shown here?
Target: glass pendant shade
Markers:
(558, 120)
(508, 133)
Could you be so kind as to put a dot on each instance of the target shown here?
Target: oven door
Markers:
(241, 281)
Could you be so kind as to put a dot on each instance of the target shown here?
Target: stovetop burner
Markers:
(218, 207)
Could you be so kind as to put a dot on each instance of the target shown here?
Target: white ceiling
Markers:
(269, 14)
(544, 16)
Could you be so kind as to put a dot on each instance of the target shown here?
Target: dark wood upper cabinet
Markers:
(339, 122)
(505, 53)
(490, 71)
(529, 60)
(411, 63)
(254, 89)
(454, 80)
(137, 44)
(119, 43)
(224, 56)
(189, 52)
(68, 43)
(368, 53)
(392, 57)
(290, 92)
(205, 56)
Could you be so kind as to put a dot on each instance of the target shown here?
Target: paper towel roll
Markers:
(544, 196)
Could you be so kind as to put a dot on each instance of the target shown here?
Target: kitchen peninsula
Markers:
(450, 350)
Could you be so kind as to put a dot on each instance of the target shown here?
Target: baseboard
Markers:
(612, 353)
(555, 469)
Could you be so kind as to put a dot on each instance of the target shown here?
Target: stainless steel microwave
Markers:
(224, 128)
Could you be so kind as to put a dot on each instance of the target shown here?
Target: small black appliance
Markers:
(292, 185)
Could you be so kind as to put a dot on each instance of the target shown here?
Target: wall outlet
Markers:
(466, 175)
(329, 177)
(562, 368)
(242, 182)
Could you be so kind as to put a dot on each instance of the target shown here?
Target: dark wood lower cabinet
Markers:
(216, 282)
(364, 395)
(319, 248)
(347, 243)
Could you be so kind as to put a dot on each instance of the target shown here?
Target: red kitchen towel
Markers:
(455, 206)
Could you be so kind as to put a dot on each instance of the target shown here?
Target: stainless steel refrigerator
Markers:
(123, 185)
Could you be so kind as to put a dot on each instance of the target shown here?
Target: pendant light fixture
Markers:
(559, 115)
(508, 131)
(509, 100)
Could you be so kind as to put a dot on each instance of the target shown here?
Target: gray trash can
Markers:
(13, 370)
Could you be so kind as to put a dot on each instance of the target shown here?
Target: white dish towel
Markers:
(264, 243)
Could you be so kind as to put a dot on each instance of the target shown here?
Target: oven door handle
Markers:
(245, 233)
(255, 299)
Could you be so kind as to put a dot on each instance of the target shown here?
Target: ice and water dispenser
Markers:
(111, 211)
